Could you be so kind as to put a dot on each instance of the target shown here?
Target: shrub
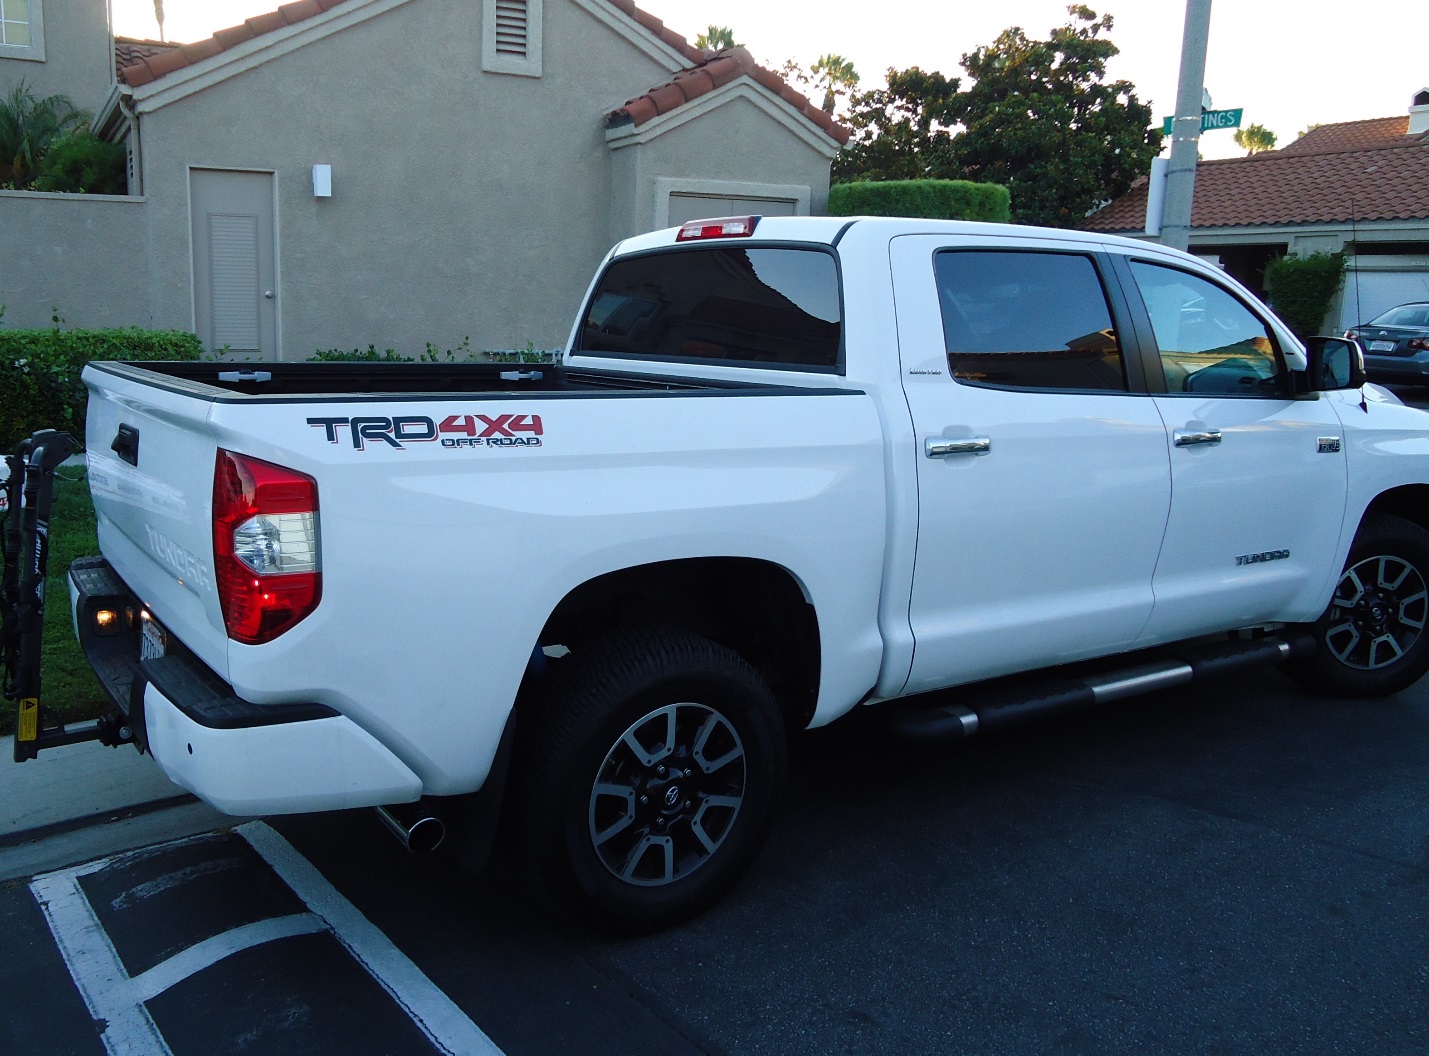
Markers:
(79, 162)
(934, 199)
(432, 354)
(40, 384)
(1301, 289)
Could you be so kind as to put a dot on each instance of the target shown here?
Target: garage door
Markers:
(1368, 293)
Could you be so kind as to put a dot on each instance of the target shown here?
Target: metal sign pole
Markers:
(1181, 174)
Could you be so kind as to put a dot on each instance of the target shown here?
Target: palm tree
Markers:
(159, 16)
(1254, 139)
(837, 75)
(27, 128)
(716, 38)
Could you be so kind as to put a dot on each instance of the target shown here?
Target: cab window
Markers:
(1027, 320)
(1207, 340)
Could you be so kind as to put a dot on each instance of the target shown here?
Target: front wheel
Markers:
(1371, 640)
(652, 764)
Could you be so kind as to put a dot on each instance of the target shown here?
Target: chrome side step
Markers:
(934, 717)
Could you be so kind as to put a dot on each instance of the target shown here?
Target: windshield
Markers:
(754, 305)
(1404, 315)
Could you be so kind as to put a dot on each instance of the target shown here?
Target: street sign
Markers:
(1209, 119)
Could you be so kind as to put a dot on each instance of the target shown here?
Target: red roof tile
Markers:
(130, 50)
(1352, 171)
(712, 72)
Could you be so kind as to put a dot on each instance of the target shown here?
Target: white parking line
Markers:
(96, 968)
(436, 1014)
(117, 998)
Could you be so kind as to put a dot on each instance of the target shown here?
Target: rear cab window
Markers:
(761, 306)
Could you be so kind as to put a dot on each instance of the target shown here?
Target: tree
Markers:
(716, 38)
(1038, 118)
(1254, 139)
(1041, 120)
(27, 128)
(159, 16)
(903, 131)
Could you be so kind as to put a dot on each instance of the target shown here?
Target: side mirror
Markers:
(1335, 363)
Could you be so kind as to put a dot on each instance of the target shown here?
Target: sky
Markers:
(1287, 63)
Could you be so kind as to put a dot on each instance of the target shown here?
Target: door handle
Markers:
(937, 447)
(1190, 439)
(267, 295)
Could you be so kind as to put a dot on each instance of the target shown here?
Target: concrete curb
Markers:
(74, 782)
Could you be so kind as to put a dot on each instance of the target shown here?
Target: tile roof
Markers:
(130, 51)
(140, 62)
(713, 71)
(148, 68)
(1351, 171)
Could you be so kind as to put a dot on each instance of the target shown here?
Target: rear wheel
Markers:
(1372, 638)
(652, 764)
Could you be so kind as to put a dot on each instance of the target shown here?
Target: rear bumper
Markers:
(241, 757)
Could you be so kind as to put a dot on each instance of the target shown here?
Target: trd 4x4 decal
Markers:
(454, 431)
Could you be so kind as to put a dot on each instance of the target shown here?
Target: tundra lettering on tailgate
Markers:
(454, 431)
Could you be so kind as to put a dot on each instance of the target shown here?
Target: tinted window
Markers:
(1208, 340)
(761, 306)
(1036, 320)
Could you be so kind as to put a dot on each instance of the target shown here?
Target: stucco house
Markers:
(343, 172)
(1358, 187)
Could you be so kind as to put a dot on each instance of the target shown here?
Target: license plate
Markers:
(1381, 346)
(153, 640)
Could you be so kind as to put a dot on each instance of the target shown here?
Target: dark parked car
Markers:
(1396, 344)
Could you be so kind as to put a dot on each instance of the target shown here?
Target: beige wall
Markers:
(464, 204)
(78, 57)
(737, 149)
(80, 253)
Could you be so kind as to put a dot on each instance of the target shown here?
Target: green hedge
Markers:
(40, 382)
(934, 199)
(1301, 289)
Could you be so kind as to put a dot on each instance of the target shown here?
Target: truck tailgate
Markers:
(151, 459)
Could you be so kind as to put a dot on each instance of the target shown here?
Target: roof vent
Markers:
(1419, 112)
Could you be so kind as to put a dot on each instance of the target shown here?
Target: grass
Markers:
(69, 687)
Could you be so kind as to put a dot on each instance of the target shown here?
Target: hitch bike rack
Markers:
(29, 495)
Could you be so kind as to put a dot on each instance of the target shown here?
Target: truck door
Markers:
(1258, 476)
(1043, 477)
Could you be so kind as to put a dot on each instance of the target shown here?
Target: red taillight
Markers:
(1419, 344)
(718, 227)
(265, 546)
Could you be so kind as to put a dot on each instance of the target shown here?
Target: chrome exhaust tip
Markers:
(419, 833)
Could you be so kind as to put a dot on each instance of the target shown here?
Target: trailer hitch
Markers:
(29, 497)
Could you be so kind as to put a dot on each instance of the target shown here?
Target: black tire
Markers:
(1372, 639)
(650, 765)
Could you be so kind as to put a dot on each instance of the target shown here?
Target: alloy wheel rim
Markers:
(667, 794)
(1378, 613)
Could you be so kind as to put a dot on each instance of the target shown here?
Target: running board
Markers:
(995, 707)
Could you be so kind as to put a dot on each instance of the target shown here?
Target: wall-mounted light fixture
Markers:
(322, 181)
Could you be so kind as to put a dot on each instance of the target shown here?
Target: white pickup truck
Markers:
(790, 467)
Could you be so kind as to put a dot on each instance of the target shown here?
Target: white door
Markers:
(1257, 475)
(235, 273)
(1043, 480)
